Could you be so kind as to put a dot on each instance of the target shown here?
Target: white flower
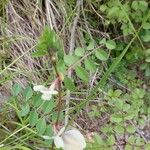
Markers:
(58, 142)
(69, 140)
(46, 92)
(73, 140)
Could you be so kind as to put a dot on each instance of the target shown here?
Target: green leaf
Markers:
(130, 129)
(110, 44)
(28, 92)
(106, 129)
(33, 118)
(146, 37)
(49, 132)
(103, 8)
(139, 5)
(111, 140)
(126, 29)
(132, 139)
(119, 129)
(126, 107)
(138, 93)
(117, 93)
(91, 45)
(98, 140)
(16, 89)
(101, 54)
(61, 66)
(119, 103)
(128, 147)
(147, 72)
(113, 11)
(135, 5)
(79, 51)
(147, 59)
(148, 52)
(49, 41)
(82, 73)
(37, 101)
(116, 118)
(69, 84)
(129, 116)
(103, 41)
(39, 53)
(41, 126)
(90, 65)
(146, 25)
(70, 59)
(48, 106)
(25, 110)
(143, 5)
(54, 116)
(139, 142)
(143, 66)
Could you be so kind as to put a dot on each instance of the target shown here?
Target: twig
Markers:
(97, 12)
(49, 20)
(53, 60)
(86, 24)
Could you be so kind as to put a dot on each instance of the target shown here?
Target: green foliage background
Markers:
(105, 46)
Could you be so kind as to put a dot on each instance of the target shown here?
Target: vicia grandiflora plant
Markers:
(50, 45)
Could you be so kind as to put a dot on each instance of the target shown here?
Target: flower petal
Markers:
(61, 131)
(39, 88)
(74, 138)
(46, 96)
(58, 141)
(46, 137)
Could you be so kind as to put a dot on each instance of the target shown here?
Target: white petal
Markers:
(74, 138)
(46, 137)
(46, 96)
(61, 131)
(39, 88)
(58, 141)
(47, 91)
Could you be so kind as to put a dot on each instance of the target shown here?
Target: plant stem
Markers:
(59, 92)
(53, 59)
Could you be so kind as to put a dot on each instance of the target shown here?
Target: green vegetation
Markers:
(94, 57)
